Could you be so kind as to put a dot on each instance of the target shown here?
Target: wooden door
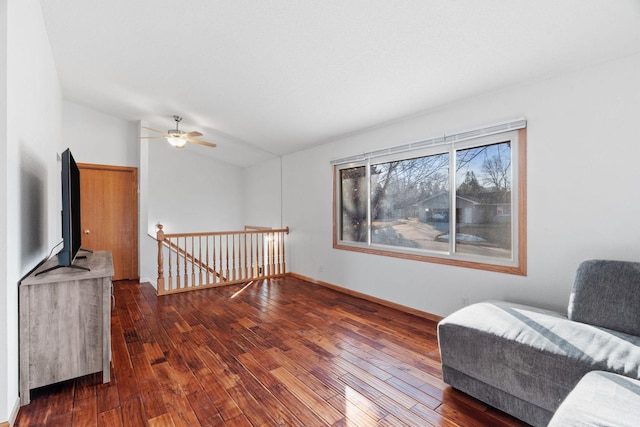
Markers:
(109, 214)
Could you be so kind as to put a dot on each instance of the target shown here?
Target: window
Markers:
(458, 200)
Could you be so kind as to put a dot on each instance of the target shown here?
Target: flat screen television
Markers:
(71, 226)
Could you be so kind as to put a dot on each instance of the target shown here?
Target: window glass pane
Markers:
(410, 202)
(483, 200)
(353, 202)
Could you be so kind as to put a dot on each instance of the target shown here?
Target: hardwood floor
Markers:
(279, 352)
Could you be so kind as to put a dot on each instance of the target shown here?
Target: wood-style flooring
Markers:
(279, 352)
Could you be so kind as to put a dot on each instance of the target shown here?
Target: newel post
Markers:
(160, 238)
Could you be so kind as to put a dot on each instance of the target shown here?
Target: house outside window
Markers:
(407, 202)
(504, 210)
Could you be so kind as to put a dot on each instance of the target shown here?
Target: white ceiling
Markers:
(264, 77)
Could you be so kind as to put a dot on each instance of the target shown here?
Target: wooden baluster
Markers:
(281, 257)
(272, 253)
(186, 269)
(220, 270)
(263, 257)
(276, 254)
(199, 260)
(206, 264)
(258, 266)
(254, 256)
(221, 265)
(259, 245)
(227, 258)
(272, 266)
(232, 258)
(193, 264)
(170, 275)
(239, 240)
(277, 251)
(254, 268)
(234, 261)
(246, 261)
(160, 239)
(240, 257)
(265, 248)
(179, 255)
(215, 271)
(178, 281)
(265, 254)
(284, 260)
(213, 258)
(178, 274)
(281, 254)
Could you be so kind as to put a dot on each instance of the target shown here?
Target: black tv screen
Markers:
(71, 226)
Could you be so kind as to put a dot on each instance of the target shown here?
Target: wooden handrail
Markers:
(222, 233)
(218, 258)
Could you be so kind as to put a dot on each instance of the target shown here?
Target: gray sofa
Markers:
(525, 361)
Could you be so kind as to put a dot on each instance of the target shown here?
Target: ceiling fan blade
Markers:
(197, 141)
(192, 134)
(160, 131)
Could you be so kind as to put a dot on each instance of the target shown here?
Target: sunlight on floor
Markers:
(241, 290)
(359, 410)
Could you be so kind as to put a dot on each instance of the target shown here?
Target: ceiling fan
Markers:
(178, 138)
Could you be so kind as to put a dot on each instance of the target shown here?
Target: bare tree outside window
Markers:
(496, 167)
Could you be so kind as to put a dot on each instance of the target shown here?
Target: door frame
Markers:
(134, 171)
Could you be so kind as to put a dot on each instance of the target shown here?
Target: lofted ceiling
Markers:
(271, 77)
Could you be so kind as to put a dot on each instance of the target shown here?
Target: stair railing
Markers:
(188, 261)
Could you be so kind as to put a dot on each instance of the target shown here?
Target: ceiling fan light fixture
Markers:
(176, 141)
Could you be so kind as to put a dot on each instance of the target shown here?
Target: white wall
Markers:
(583, 202)
(191, 192)
(6, 312)
(99, 138)
(262, 194)
(30, 187)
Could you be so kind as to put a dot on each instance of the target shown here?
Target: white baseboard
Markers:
(148, 280)
(14, 413)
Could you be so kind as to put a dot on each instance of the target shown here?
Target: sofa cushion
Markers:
(600, 399)
(607, 293)
(533, 354)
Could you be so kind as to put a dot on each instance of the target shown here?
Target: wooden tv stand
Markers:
(65, 322)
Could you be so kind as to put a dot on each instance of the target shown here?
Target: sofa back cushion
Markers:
(607, 294)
